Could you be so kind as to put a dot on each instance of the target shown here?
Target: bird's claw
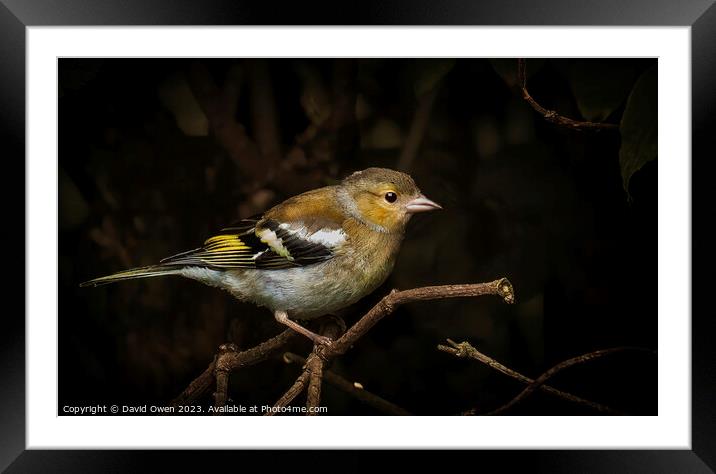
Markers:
(322, 347)
(323, 341)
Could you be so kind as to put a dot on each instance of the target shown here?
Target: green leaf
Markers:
(639, 126)
(429, 73)
(600, 85)
(506, 68)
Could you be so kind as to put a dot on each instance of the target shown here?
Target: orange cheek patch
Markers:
(374, 211)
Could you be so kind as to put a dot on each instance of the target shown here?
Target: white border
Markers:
(670, 429)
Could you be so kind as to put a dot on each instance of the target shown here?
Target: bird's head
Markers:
(383, 198)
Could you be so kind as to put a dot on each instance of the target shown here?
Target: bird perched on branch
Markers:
(309, 256)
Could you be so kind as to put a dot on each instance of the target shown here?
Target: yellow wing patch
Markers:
(224, 243)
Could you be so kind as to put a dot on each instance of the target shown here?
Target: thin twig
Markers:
(551, 115)
(236, 360)
(465, 349)
(197, 388)
(539, 381)
(294, 391)
(315, 369)
(315, 383)
(355, 390)
(221, 374)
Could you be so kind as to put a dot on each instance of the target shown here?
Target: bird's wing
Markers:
(266, 243)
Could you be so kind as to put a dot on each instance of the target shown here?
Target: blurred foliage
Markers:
(639, 126)
(600, 86)
(429, 72)
(73, 208)
(177, 97)
(143, 176)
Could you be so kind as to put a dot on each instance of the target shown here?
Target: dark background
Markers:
(143, 176)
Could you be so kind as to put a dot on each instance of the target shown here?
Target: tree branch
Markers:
(197, 388)
(395, 298)
(551, 115)
(321, 354)
(315, 382)
(315, 369)
(311, 376)
(354, 389)
(294, 391)
(228, 359)
(221, 374)
(465, 350)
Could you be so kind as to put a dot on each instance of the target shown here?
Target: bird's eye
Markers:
(391, 196)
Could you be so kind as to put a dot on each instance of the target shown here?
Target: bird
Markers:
(309, 256)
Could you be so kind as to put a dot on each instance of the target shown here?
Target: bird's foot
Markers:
(323, 340)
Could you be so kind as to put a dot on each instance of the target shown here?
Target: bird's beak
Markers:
(421, 204)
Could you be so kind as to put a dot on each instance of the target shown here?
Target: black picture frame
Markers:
(16, 15)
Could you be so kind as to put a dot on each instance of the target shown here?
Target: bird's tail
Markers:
(141, 272)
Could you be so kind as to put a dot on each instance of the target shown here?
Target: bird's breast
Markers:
(314, 290)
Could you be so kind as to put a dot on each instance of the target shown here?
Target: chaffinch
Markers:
(309, 256)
